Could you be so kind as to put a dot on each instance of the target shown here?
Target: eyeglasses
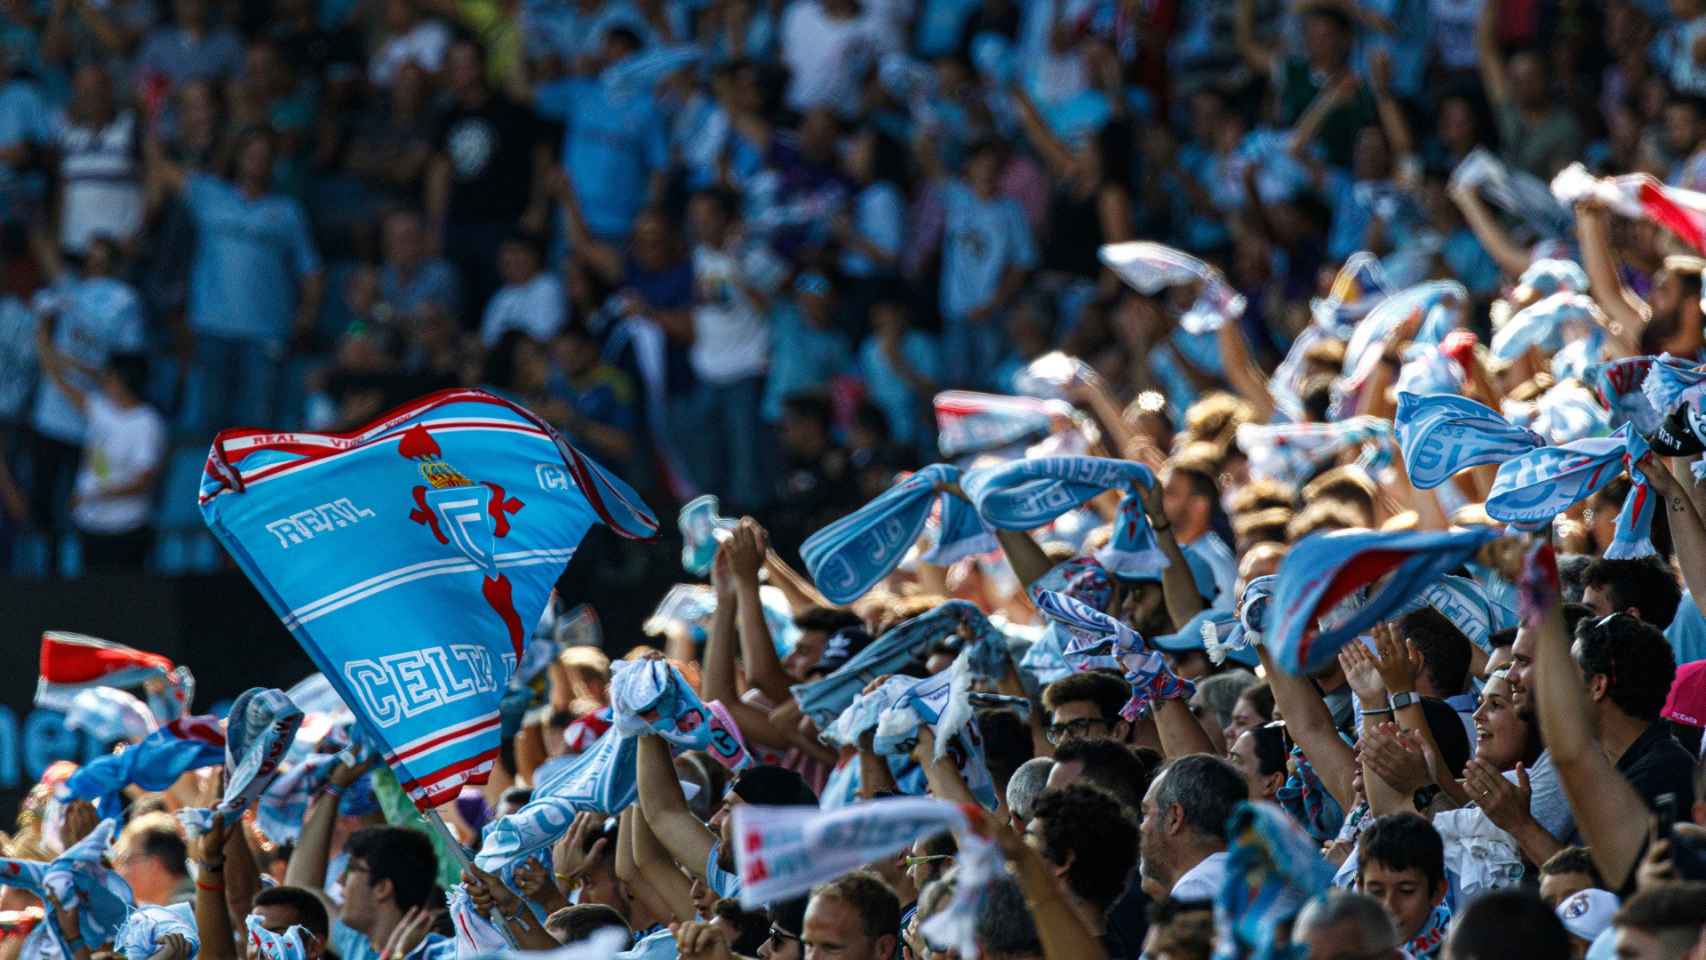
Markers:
(932, 858)
(1058, 732)
(778, 936)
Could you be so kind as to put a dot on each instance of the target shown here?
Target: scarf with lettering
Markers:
(1543, 483)
(1089, 630)
(781, 852)
(701, 531)
(1547, 325)
(1352, 580)
(853, 554)
(146, 926)
(1025, 494)
(1273, 868)
(968, 422)
(941, 702)
(1294, 452)
(1442, 435)
(1621, 386)
(824, 699)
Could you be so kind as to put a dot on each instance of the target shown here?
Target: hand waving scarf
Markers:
(823, 700)
(1682, 212)
(600, 779)
(82, 881)
(781, 852)
(1252, 619)
(1543, 483)
(1550, 275)
(1272, 869)
(701, 531)
(1621, 386)
(72, 662)
(1025, 494)
(1547, 324)
(1670, 383)
(1468, 606)
(409, 557)
(143, 930)
(1048, 376)
(651, 696)
(1517, 192)
(1150, 268)
(1442, 435)
(154, 764)
(1325, 570)
(1440, 304)
(258, 731)
(968, 422)
(941, 702)
(853, 554)
(1292, 452)
(864, 712)
(1146, 670)
(1358, 288)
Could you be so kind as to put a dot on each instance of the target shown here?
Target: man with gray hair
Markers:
(1182, 837)
(1344, 925)
(1024, 787)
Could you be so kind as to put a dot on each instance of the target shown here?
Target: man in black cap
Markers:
(706, 849)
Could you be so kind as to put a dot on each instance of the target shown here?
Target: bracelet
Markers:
(211, 867)
(205, 885)
(332, 790)
(1373, 713)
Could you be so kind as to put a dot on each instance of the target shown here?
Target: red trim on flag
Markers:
(473, 726)
(430, 782)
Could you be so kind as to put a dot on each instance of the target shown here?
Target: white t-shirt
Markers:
(423, 46)
(535, 308)
(120, 446)
(827, 56)
(1201, 882)
(731, 340)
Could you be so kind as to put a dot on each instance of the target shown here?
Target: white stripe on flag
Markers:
(313, 610)
(441, 739)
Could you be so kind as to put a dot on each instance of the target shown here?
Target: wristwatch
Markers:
(1424, 797)
(1405, 699)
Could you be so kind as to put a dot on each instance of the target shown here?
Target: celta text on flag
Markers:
(410, 558)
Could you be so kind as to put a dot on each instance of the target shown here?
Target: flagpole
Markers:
(461, 854)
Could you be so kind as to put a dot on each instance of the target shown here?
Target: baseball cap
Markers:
(772, 786)
(1191, 636)
(842, 646)
(1686, 702)
(1587, 913)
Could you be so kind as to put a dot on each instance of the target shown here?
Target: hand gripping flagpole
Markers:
(461, 853)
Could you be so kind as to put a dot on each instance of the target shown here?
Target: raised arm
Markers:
(1488, 59)
(1242, 372)
(663, 888)
(746, 550)
(1055, 154)
(212, 920)
(1607, 808)
(717, 673)
(664, 806)
(307, 867)
(1260, 58)
(1510, 257)
(1620, 304)
(1178, 587)
(1060, 928)
(1688, 534)
(53, 363)
(1310, 724)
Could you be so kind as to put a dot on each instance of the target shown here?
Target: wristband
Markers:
(210, 867)
(1373, 712)
(332, 790)
(208, 885)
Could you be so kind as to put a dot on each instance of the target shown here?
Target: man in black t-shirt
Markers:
(487, 173)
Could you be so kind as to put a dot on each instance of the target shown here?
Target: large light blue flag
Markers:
(1441, 435)
(410, 558)
(1332, 587)
(1025, 494)
(851, 555)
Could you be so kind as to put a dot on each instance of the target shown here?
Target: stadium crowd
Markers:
(1319, 573)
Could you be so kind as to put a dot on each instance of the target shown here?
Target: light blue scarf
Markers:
(1544, 324)
(1025, 494)
(1469, 608)
(1621, 387)
(1671, 382)
(699, 525)
(1539, 485)
(143, 930)
(823, 700)
(1332, 577)
(1442, 435)
(1091, 631)
(853, 554)
(1273, 868)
